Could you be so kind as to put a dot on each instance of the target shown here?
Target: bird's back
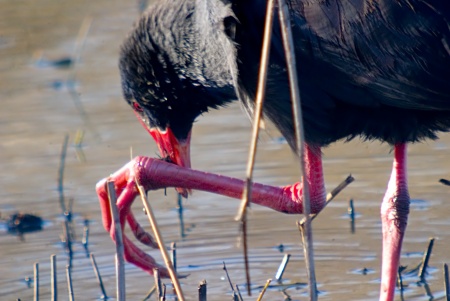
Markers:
(376, 69)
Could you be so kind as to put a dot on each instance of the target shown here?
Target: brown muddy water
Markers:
(38, 110)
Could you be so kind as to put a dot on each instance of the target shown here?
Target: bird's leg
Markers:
(394, 217)
(154, 174)
(314, 177)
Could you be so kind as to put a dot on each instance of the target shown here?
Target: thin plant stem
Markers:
(260, 92)
(202, 291)
(62, 162)
(120, 262)
(159, 240)
(331, 195)
(36, 281)
(54, 278)
(288, 44)
(282, 267)
(98, 276)
(264, 289)
(157, 283)
(446, 283)
(69, 282)
(425, 260)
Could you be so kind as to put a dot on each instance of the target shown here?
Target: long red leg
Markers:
(155, 174)
(394, 218)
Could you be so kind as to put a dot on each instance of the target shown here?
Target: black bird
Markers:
(375, 69)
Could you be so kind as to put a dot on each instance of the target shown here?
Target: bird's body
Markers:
(376, 69)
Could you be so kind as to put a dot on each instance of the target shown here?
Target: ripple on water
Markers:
(362, 271)
(419, 205)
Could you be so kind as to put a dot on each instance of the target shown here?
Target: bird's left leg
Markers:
(394, 218)
(126, 189)
(154, 174)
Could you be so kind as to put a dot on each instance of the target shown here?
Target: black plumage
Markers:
(379, 69)
(178, 62)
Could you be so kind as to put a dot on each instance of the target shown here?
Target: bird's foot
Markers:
(126, 189)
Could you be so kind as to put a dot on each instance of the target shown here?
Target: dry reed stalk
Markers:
(238, 291)
(202, 291)
(264, 289)
(62, 162)
(173, 255)
(159, 240)
(54, 278)
(331, 195)
(36, 281)
(69, 282)
(288, 44)
(446, 283)
(260, 92)
(98, 276)
(120, 262)
(425, 260)
(282, 267)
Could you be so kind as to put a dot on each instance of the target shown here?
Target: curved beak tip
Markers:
(177, 150)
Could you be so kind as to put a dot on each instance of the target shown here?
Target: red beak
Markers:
(177, 151)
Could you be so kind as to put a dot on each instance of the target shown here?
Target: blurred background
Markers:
(59, 78)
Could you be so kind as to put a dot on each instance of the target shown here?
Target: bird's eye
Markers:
(137, 107)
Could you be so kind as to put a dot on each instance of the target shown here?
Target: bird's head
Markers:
(167, 86)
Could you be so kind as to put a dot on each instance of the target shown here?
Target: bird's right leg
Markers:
(314, 177)
(394, 218)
